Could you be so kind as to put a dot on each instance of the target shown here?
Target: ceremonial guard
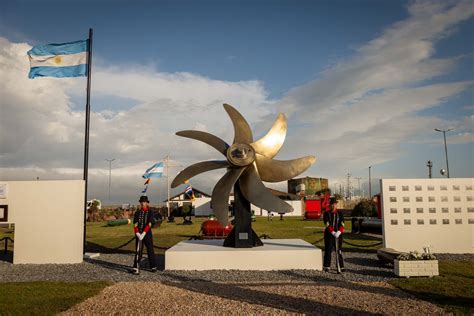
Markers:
(334, 222)
(143, 220)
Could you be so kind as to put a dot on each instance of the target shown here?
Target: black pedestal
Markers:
(242, 235)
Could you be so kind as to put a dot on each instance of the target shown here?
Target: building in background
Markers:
(306, 188)
(311, 185)
(201, 205)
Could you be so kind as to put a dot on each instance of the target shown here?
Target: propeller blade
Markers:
(272, 170)
(196, 169)
(221, 192)
(270, 144)
(242, 131)
(207, 138)
(258, 194)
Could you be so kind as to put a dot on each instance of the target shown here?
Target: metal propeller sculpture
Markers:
(248, 163)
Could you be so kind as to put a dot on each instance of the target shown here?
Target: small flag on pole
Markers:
(189, 192)
(59, 60)
(155, 171)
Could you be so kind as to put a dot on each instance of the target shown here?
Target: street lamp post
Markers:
(429, 164)
(349, 196)
(358, 181)
(110, 173)
(370, 184)
(445, 146)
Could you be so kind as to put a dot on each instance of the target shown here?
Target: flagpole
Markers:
(86, 141)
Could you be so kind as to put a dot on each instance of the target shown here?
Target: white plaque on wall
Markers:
(3, 190)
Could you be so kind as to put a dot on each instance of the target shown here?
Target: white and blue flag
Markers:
(189, 192)
(155, 171)
(59, 60)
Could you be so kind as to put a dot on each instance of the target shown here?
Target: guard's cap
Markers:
(144, 198)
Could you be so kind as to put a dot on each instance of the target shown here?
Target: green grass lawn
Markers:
(102, 238)
(44, 298)
(453, 289)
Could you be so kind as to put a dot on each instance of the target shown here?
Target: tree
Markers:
(365, 208)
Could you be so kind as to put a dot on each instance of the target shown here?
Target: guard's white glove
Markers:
(142, 236)
(333, 233)
(138, 235)
(337, 234)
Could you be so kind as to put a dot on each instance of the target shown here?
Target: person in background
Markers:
(143, 220)
(334, 222)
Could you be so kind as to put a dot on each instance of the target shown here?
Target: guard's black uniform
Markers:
(334, 222)
(143, 220)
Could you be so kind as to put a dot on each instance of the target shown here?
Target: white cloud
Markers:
(400, 57)
(363, 109)
(42, 136)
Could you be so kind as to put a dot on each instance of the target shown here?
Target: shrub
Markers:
(415, 255)
(365, 208)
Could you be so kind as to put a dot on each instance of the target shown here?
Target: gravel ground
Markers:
(362, 289)
(360, 267)
(210, 298)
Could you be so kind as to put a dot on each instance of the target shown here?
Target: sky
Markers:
(361, 83)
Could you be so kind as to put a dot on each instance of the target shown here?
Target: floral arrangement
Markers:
(415, 255)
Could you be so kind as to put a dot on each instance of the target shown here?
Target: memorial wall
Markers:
(428, 212)
(48, 218)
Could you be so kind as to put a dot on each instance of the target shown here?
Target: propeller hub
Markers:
(240, 155)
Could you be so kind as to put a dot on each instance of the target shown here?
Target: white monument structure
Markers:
(276, 254)
(428, 212)
(48, 218)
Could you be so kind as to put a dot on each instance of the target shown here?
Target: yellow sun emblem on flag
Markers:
(57, 60)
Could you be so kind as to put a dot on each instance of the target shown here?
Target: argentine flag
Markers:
(155, 171)
(59, 60)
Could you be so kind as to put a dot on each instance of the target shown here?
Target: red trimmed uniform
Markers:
(143, 219)
(334, 222)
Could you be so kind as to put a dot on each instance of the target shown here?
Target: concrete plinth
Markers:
(275, 254)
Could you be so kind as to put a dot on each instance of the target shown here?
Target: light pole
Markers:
(349, 187)
(358, 181)
(429, 164)
(370, 184)
(110, 173)
(445, 147)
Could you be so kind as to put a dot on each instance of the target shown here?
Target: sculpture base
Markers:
(242, 235)
(242, 240)
(275, 254)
